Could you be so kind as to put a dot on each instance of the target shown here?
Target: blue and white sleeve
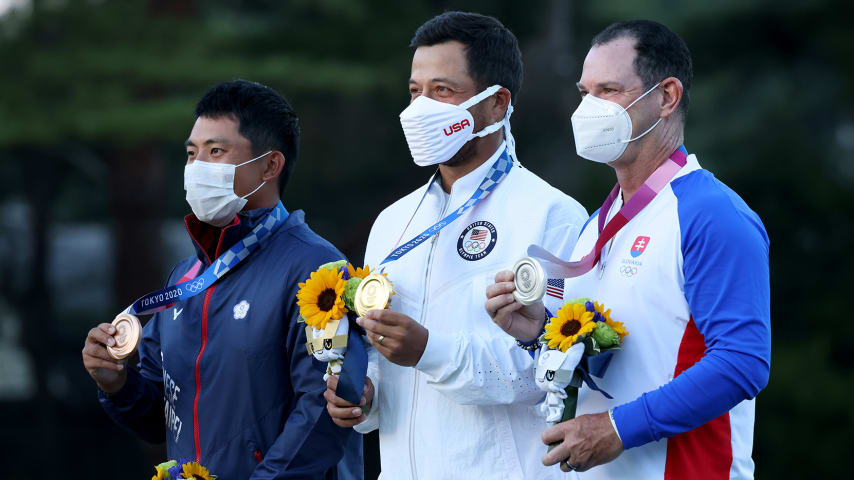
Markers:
(726, 268)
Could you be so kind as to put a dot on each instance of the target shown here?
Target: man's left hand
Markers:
(588, 440)
(397, 337)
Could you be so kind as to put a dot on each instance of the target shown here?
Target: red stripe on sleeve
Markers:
(704, 453)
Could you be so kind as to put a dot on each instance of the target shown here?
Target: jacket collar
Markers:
(466, 185)
(210, 242)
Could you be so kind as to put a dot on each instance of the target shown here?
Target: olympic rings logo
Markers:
(476, 240)
(628, 271)
(475, 246)
(196, 286)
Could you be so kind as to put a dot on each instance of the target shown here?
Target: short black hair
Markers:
(492, 50)
(660, 53)
(263, 116)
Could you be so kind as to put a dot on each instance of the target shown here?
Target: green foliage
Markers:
(80, 74)
(350, 293)
(605, 336)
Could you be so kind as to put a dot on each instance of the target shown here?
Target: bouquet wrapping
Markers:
(326, 302)
(577, 344)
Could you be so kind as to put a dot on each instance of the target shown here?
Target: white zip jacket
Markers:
(467, 409)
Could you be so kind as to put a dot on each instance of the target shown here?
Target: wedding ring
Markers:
(380, 339)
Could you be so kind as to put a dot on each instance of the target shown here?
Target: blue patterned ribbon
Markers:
(494, 176)
(164, 298)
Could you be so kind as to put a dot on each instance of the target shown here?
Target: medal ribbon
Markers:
(493, 177)
(557, 268)
(190, 285)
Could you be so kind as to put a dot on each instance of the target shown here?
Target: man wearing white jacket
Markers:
(452, 395)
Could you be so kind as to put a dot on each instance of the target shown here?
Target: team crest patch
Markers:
(477, 240)
(639, 246)
(241, 309)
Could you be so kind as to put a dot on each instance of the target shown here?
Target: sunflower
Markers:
(358, 272)
(605, 315)
(572, 321)
(196, 471)
(319, 298)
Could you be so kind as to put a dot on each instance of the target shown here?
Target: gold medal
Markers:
(127, 337)
(374, 293)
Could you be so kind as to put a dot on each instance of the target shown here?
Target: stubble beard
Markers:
(463, 155)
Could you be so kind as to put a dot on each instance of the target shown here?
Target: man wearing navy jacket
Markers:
(224, 377)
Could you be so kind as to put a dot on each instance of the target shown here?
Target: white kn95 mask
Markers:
(603, 129)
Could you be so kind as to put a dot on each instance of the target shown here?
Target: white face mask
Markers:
(603, 129)
(210, 191)
(436, 131)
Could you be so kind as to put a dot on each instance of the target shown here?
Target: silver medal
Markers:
(530, 281)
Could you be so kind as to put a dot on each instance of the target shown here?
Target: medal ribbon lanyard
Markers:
(351, 380)
(493, 177)
(164, 298)
(557, 268)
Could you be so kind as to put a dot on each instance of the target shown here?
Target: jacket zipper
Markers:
(422, 321)
(206, 305)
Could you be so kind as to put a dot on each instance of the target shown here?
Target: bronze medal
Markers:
(127, 337)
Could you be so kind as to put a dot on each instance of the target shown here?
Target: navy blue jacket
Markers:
(224, 376)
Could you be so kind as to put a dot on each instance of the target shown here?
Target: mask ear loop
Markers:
(479, 97)
(508, 136)
(253, 191)
(256, 158)
(644, 133)
(495, 126)
(653, 125)
(644, 94)
(262, 183)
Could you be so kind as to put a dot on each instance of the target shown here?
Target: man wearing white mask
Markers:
(680, 259)
(451, 394)
(224, 378)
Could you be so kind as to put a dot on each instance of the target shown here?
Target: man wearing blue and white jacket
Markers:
(686, 269)
(224, 377)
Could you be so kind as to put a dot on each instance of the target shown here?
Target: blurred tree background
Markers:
(96, 99)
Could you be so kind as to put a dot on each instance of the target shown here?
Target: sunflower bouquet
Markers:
(324, 299)
(571, 347)
(175, 470)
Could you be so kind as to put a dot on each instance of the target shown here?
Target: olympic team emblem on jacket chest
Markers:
(639, 246)
(629, 267)
(477, 240)
(241, 309)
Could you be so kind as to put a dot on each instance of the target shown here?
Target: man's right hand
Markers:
(110, 374)
(344, 413)
(523, 322)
